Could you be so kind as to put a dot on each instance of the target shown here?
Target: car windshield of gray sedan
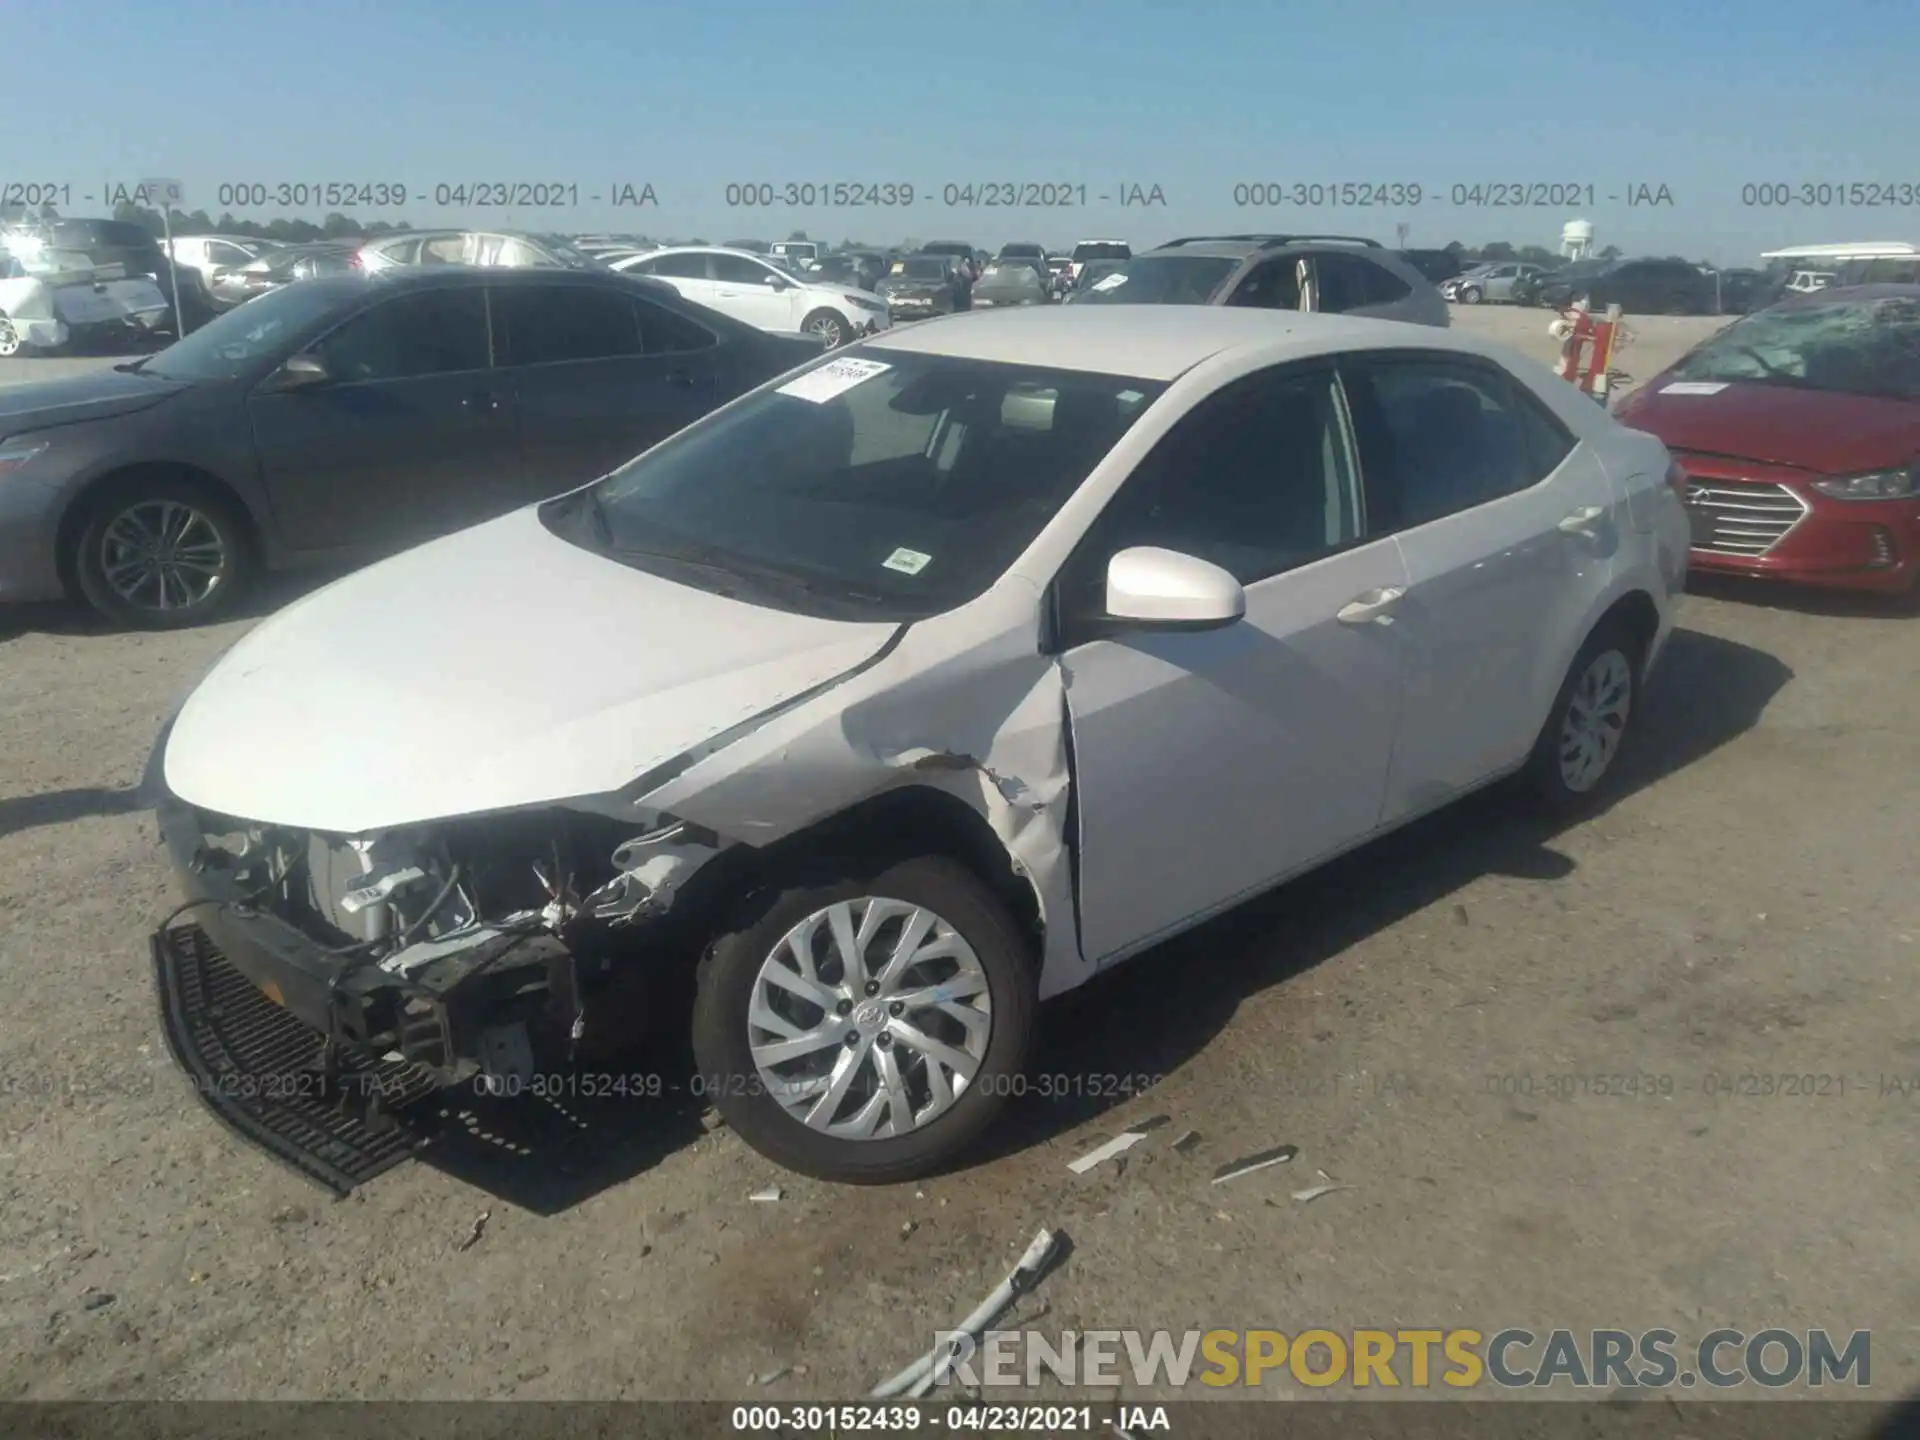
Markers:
(878, 485)
(1160, 280)
(1857, 347)
(230, 344)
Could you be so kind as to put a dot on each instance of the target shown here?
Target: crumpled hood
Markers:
(498, 667)
(96, 395)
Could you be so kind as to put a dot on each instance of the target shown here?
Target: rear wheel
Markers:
(162, 552)
(866, 1028)
(1576, 755)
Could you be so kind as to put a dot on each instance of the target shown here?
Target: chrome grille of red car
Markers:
(1741, 518)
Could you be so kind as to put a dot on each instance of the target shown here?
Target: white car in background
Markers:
(749, 288)
(917, 686)
(210, 253)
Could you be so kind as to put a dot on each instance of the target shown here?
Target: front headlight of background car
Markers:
(15, 453)
(1874, 485)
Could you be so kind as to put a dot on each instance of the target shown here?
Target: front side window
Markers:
(877, 485)
(431, 332)
(1161, 280)
(1273, 285)
(1259, 479)
(738, 270)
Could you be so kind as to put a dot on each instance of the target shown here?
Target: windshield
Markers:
(1161, 280)
(882, 485)
(231, 344)
(921, 269)
(1011, 273)
(1856, 347)
(1101, 250)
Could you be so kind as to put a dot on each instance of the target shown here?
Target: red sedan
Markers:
(1799, 430)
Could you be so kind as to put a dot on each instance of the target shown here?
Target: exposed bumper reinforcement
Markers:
(259, 1069)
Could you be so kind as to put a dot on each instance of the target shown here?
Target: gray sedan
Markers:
(1490, 283)
(346, 416)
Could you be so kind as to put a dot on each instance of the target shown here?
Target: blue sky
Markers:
(1191, 96)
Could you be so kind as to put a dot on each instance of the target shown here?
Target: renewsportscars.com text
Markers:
(1412, 1359)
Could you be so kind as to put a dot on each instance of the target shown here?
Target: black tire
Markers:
(218, 517)
(730, 971)
(828, 326)
(1546, 777)
(1471, 295)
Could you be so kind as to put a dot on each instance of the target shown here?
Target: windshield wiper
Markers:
(132, 367)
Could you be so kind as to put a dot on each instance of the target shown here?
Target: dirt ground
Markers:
(1746, 909)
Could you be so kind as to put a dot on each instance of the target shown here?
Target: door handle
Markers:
(681, 379)
(1373, 608)
(481, 403)
(1582, 521)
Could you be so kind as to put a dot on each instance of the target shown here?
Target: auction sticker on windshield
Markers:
(1110, 282)
(1693, 387)
(907, 562)
(836, 377)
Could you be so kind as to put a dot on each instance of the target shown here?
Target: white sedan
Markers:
(747, 288)
(916, 687)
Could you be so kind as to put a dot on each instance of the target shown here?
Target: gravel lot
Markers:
(1747, 908)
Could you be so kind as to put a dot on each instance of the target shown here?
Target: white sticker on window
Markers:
(907, 562)
(1130, 397)
(1109, 282)
(1693, 387)
(836, 377)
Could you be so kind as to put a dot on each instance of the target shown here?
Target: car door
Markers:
(597, 375)
(413, 429)
(1499, 282)
(691, 273)
(755, 293)
(1210, 764)
(1508, 528)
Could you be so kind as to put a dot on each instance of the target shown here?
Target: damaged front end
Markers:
(469, 949)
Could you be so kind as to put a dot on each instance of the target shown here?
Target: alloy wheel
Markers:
(9, 339)
(869, 1019)
(164, 555)
(1595, 721)
(828, 329)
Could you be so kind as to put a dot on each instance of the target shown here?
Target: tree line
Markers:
(338, 226)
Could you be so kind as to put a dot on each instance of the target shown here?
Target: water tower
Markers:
(1576, 239)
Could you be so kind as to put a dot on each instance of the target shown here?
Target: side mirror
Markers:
(779, 282)
(302, 372)
(1163, 588)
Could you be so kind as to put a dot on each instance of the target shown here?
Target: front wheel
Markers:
(161, 553)
(866, 1029)
(1471, 295)
(1576, 755)
(832, 330)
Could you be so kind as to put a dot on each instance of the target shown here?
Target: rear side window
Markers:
(679, 267)
(1380, 285)
(1440, 436)
(548, 324)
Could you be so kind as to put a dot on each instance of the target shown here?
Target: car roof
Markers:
(1157, 342)
(1885, 290)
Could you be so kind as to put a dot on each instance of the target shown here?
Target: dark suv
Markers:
(1334, 274)
(1639, 287)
